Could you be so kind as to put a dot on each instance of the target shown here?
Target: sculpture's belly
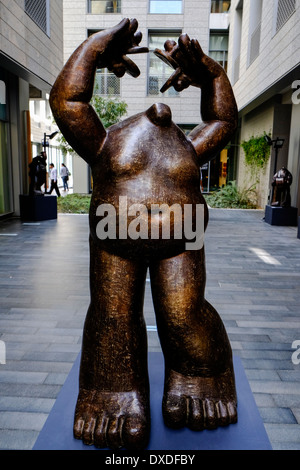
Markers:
(150, 213)
(146, 196)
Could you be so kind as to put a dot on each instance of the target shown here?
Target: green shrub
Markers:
(257, 153)
(231, 197)
(74, 204)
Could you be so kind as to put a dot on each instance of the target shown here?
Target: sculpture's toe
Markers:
(136, 433)
(174, 411)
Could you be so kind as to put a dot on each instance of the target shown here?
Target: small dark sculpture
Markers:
(281, 183)
(148, 160)
(37, 174)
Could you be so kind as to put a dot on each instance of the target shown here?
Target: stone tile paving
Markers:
(253, 273)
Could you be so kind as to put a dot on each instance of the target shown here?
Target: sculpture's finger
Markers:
(197, 49)
(137, 37)
(118, 69)
(169, 45)
(184, 41)
(133, 25)
(130, 67)
(182, 83)
(121, 27)
(186, 49)
(137, 50)
(166, 57)
(172, 80)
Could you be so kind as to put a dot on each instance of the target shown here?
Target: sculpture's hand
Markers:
(192, 66)
(116, 42)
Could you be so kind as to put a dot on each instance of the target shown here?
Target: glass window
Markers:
(220, 6)
(218, 48)
(159, 71)
(165, 6)
(106, 83)
(3, 107)
(100, 7)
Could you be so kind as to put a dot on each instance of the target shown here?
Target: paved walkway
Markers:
(253, 274)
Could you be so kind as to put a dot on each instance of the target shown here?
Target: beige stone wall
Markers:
(24, 42)
(255, 124)
(278, 54)
(194, 21)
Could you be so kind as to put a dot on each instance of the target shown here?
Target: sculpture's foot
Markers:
(114, 420)
(199, 402)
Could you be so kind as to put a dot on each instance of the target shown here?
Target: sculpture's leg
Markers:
(199, 379)
(113, 403)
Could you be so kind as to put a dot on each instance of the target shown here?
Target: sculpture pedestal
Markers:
(281, 216)
(36, 208)
(248, 434)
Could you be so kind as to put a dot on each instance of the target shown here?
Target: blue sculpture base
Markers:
(284, 216)
(248, 434)
(36, 208)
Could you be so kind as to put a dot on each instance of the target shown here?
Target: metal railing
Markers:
(285, 10)
(38, 10)
(155, 82)
(107, 84)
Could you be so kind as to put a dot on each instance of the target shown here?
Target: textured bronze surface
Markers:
(149, 160)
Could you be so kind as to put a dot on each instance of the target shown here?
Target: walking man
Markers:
(53, 178)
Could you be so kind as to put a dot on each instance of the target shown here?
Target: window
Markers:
(285, 10)
(100, 7)
(165, 6)
(220, 6)
(106, 83)
(3, 101)
(159, 71)
(218, 48)
(38, 10)
(254, 30)
(237, 39)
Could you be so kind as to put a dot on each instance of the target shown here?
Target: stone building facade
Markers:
(31, 56)
(264, 68)
(158, 20)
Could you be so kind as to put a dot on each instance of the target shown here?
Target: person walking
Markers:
(64, 174)
(53, 178)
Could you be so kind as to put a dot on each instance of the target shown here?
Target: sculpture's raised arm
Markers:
(73, 89)
(218, 106)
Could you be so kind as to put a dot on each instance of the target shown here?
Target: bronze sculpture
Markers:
(281, 183)
(37, 174)
(147, 159)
